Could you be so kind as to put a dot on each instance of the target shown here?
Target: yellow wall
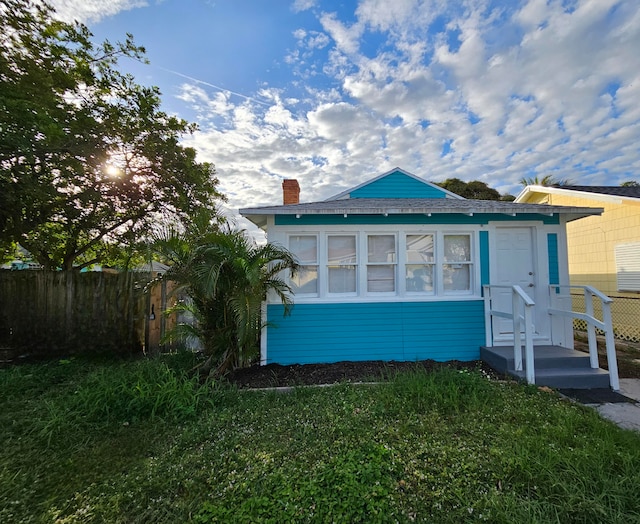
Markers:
(591, 241)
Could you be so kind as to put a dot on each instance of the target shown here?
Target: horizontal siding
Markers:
(397, 185)
(404, 331)
(445, 218)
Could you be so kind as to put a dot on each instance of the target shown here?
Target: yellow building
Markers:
(603, 251)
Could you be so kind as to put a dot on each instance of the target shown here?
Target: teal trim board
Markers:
(484, 258)
(403, 331)
(397, 185)
(552, 247)
(338, 220)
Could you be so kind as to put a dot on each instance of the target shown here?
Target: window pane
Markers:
(457, 277)
(306, 280)
(381, 279)
(457, 248)
(341, 249)
(381, 248)
(304, 248)
(420, 249)
(419, 278)
(342, 279)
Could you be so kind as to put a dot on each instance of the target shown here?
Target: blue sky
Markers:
(333, 93)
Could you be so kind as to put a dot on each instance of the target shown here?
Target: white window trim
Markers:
(325, 264)
(402, 263)
(317, 265)
(365, 269)
(441, 263)
(361, 232)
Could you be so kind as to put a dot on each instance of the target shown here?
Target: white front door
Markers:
(515, 263)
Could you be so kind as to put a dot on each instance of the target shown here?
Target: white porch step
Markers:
(555, 366)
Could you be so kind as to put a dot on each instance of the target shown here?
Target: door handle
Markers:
(531, 285)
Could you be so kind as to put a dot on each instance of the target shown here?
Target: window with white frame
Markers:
(381, 263)
(342, 263)
(457, 265)
(305, 250)
(419, 263)
(405, 263)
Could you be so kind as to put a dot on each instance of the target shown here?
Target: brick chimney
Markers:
(290, 192)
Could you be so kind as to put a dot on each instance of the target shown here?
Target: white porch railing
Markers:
(521, 313)
(605, 325)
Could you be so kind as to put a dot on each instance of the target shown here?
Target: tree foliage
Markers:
(475, 189)
(630, 183)
(88, 161)
(227, 278)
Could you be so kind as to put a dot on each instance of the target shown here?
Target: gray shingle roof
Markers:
(397, 206)
(632, 192)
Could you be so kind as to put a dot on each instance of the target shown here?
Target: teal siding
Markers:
(484, 258)
(410, 219)
(404, 331)
(397, 185)
(552, 247)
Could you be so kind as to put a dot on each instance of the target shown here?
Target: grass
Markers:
(142, 442)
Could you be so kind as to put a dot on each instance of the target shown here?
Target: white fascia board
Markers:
(615, 199)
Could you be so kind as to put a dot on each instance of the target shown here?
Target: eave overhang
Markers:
(414, 206)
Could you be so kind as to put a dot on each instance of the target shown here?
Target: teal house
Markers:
(397, 268)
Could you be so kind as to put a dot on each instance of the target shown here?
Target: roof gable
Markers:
(396, 183)
(598, 193)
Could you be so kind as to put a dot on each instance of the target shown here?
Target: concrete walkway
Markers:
(625, 414)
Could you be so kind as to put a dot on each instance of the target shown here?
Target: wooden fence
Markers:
(46, 313)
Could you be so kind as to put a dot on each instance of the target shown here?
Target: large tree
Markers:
(88, 161)
(475, 189)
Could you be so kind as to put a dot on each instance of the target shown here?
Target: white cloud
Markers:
(346, 38)
(303, 5)
(496, 94)
(92, 10)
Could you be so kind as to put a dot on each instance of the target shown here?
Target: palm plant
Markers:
(227, 277)
(547, 181)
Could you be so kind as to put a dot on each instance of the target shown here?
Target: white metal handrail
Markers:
(605, 325)
(519, 301)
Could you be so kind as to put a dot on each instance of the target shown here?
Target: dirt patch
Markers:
(275, 375)
(628, 354)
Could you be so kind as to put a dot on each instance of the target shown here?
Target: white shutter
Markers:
(628, 266)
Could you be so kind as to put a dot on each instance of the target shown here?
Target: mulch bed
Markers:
(275, 375)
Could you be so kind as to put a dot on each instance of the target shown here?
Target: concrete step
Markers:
(569, 379)
(546, 357)
(555, 366)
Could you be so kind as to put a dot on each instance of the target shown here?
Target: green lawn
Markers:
(140, 442)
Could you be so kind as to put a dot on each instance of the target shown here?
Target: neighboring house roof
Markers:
(426, 206)
(396, 183)
(603, 193)
(154, 267)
